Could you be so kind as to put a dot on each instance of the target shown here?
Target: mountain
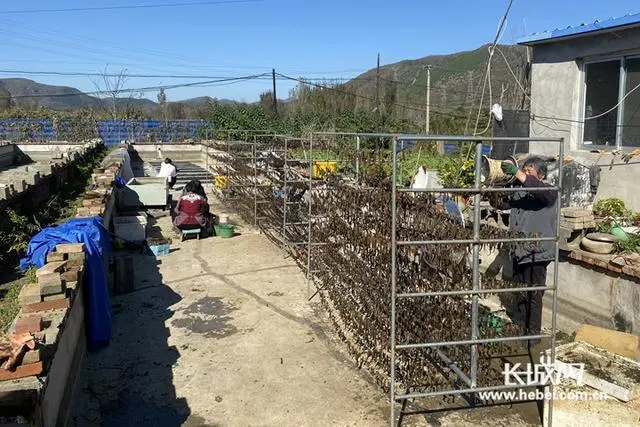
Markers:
(25, 91)
(29, 92)
(456, 82)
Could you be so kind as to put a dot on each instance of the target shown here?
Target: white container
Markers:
(223, 219)
(132, 228)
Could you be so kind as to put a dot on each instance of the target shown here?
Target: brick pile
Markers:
(53, 292)
(95, 200)
(577, 219)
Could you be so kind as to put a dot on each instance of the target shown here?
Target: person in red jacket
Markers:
(192, 210)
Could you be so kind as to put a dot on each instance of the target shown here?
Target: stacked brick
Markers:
(577, 219)
(36, 327)
(95, 200)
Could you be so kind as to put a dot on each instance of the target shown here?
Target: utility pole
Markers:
(378, 85)
(275, 97)
(426, 125)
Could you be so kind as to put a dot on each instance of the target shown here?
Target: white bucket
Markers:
(223, 219)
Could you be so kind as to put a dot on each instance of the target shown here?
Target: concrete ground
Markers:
(220, 333)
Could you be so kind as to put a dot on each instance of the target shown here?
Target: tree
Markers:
(390, 90)
(5, 99)
(176, 111)
(266, 102)
(110, 86)
(162, 100)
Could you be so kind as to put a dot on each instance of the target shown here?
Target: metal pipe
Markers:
(465, 391)
(476, 265)
(309, 214)
(453, 138)
(453, 367)
(392, 378)
(473, 190)
(357, 162)
(554, 306)
(285, 196)
(472, 292)
(469, 342)
(255, 185)
(479, 241)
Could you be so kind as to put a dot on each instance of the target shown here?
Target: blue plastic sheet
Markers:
(95, 237)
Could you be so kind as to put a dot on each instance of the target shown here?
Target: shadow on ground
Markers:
(130, 383)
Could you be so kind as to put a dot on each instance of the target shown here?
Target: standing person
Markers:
(168, 171)
(532, 213)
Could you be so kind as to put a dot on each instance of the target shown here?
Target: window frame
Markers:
(622, 58)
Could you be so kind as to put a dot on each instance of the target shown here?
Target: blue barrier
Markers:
(112, 132)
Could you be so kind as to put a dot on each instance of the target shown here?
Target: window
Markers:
(610, 83)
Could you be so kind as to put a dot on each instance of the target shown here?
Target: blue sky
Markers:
(299, 38)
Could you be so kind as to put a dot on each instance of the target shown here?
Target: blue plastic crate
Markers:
(160, 250)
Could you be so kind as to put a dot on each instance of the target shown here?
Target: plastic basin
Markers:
(224, 230)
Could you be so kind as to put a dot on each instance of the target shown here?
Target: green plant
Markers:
(629, 246)
(9, 306)
(30, 274)
(611, 207)
(456, 172)
(21, 230)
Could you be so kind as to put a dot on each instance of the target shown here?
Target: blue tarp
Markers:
(95, 237)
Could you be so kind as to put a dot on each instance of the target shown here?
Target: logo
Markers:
(542, 373)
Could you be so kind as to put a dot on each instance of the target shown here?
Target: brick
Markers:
(31, 324)
(69, 248)
(91, 202)
(29, 294)
(21, 371)
(96, 210)
(32, 356)
(576, 212)
(50, 284)
(71, 286)
(74, 261)
(41, 336)
(46, 306)
(55, 297)
(55, 257)
(83, 212)
(70, 275)
(50, 268)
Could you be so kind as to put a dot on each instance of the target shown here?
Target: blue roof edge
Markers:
(548, 36)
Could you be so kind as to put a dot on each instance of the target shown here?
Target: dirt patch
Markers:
(208, 316)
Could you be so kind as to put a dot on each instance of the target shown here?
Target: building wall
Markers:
(556, 91)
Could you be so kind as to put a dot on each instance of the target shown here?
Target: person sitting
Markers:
(196, 187)
(192, 210)
(169, 172)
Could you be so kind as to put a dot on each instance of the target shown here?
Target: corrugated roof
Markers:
(582, 29)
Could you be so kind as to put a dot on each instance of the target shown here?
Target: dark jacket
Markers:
(534, 213)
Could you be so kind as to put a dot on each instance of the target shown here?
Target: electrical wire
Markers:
(560, 118)
(142, 89)
(409, 107)
(137, 6)
(499, 35)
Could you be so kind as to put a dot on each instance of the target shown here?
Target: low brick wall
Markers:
(46, 381)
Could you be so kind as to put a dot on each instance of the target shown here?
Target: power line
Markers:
(82, 74)
(409, 107)
(137, 6)
(488, 72)
(217, 82)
